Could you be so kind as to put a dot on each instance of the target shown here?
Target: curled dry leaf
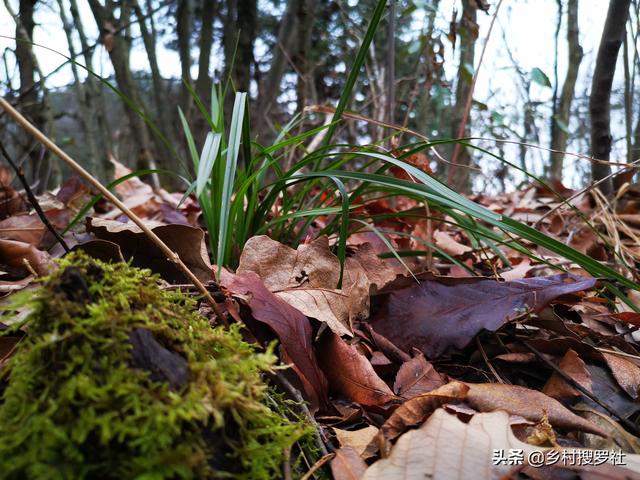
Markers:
(14, 254)
(446, 448)
(347, 464)
(415, 411)
(351, 374)
(446, 243)
(415, 377)
(291, 327)
(571, 364)
(439, 313)
(187, 242)
(307, 278)
(357, 439)
(626, 373)
(527, 403)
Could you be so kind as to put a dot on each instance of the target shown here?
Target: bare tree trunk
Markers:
(240, 27)
(86, 118)
(184, 17)
(600, 98)
(119, 55)
(559, 136)
(203, 82)
(159, 90)
(38, 110)
(305, 88)
(95, 97)
(468, 31)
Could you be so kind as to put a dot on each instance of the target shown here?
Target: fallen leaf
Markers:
(14, 254)
(527, 403)
(415, 377)
(307, 278)
(357, 439)
(415, 411)
(446, 448)
(187, 242)
(571, 364)
(446, 243)
(351, 374)
(442, 312)
(291, 327)
(626, 373)
(347, 464)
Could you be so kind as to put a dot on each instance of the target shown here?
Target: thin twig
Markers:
(629, 425)
(317, 466)
(33, 200)
(297, 396)
(488, 363)
(170, 254)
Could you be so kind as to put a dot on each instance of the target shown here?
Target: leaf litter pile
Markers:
(479, 363)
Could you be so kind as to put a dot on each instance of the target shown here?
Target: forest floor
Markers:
(464, 362)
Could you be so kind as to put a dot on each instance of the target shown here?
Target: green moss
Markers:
(77, 404)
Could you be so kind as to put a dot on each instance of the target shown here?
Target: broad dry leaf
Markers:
(572, 365)
(188, 242)
(415, 411)
(445, 448)
(291, 327)
(415, 377)
(347, 464)
(357, 439)
(18, 254)
(527, 403)
(446, 243)
(626, 373)
(351, 374)
(307, 278)
(442, 312)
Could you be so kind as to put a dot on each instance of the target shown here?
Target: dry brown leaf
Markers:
(446, 243)
(626, 373)
(527, 403)
(415, 411)
(357, 439)
(571, 364)
(415, 377)
(351, 374)
(347, 464)
(14, 254)
(620, 438)
(307, 278)
(187, 242)
(445, 448)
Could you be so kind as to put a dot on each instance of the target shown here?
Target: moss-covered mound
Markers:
(118, 378)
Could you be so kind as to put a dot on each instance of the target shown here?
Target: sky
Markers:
(527, 26)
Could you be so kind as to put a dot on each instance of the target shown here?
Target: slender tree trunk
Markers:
(159, 90)
(35, 108)
(184, 17)
(305, 91)
(600, 98)
(282, 52)
(559, 136)
(468, 31)
(119, 54)
(86, 118)
(241, 28)
(203, 82)
(95, 95)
